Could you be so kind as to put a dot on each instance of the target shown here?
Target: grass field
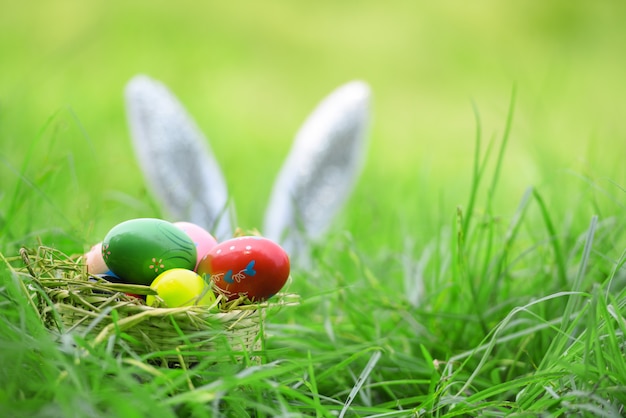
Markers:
(478, 268)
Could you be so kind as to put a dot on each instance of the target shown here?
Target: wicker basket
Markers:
(69, 300)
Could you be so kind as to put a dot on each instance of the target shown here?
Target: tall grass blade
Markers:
(476, 173)
(505, 139)
(491, 192)
(556, 246)
(359, 383)
(574, 302)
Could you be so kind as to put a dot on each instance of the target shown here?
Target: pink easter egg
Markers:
(94, 261)
(201, 237)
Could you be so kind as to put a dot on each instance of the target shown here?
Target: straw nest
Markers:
(69, 300)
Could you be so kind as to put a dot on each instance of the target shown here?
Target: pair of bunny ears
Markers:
(314, 182)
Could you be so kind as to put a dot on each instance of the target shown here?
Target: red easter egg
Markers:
(250, 266)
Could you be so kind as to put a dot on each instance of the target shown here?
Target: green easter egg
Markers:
(138, 250)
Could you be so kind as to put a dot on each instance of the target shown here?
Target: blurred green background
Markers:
(250, 73)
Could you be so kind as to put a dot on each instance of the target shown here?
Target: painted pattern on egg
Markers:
(229, 277)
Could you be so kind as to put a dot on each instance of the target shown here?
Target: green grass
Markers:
(477, 270)
(495, 316)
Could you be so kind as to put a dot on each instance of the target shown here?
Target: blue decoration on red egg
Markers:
(228, 277)
(249, 270)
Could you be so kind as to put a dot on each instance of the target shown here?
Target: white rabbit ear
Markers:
(321, 168)
(175, 157)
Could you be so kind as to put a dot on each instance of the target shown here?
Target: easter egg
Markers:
(94, 260)
(181, 287)
(138, 250)
(202, 238)
(250, 266)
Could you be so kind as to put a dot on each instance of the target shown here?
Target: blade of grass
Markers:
(507, 246)
(491, 192)
(312, 385)
(574, 301)
(556, 246)
(477, 171)
(503, 144)
(466, 275)
(359, 383)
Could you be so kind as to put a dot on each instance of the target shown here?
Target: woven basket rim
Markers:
(66, 297)
(75, 265)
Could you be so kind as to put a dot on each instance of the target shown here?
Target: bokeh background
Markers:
(251, 72)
